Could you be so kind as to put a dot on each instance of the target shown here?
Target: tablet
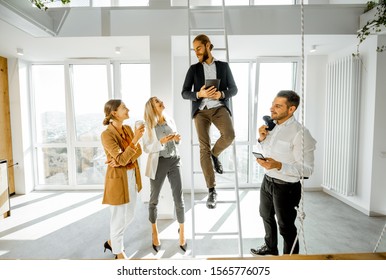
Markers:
(212, 82)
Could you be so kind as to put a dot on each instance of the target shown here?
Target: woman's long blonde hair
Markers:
(150, 115)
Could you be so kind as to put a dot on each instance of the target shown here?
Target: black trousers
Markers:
(279, 198)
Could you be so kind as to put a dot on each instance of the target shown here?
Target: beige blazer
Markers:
(116, 191)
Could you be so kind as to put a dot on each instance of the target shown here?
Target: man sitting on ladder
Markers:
(210, 105)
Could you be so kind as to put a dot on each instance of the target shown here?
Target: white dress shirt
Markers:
(284, 144)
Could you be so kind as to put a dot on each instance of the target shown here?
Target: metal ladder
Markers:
(194, 14)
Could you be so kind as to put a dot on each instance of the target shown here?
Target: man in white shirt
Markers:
(286, 161)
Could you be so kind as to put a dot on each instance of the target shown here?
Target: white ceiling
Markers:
(137, 48)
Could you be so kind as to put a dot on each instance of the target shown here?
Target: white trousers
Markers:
(122, 215)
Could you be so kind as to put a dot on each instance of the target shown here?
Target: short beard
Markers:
(205, 56)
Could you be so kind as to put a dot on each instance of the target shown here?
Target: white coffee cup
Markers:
(139, 123)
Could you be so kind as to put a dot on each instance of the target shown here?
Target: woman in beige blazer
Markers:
(123, 178)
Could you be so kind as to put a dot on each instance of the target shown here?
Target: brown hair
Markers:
(204, 40)
(293, 99)
(111, 106)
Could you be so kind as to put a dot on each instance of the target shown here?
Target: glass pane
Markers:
(119, 3)
(90, 90)
(52, 166)
(274, 2)
(50, 105)
(90, 165)
(135, 82)
(273, 78)
(227, 160)
(240, 102)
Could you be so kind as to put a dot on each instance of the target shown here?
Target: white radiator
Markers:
(342, 125)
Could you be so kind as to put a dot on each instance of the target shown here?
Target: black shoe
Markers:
(217, 164)
(156, 247)
(183, 247)
(212, 200)
(107, 246)
(263, 250)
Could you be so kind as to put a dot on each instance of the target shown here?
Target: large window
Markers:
(68, 102)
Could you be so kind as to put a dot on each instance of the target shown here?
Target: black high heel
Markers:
(183, 247)
(156, 247)
(107, 246)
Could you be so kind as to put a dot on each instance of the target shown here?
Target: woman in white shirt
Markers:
(160, 142)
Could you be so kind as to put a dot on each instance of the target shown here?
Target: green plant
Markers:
(41, 4)
(370, 5)
(373, 26)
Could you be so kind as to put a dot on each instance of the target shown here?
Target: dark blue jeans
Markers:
(279, 198)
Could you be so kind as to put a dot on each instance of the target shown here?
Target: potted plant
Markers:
(374, 25)
(41, 3)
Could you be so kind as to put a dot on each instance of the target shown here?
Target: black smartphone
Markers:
(269, 122)
(212, 82)
(258, 155)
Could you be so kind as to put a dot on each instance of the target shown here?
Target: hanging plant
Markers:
(41, 4)
(373, 26)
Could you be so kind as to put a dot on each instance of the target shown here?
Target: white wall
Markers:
(21, 126)
(315, 88)
(370, 198)
(378, 186)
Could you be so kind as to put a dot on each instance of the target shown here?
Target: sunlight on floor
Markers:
(41, 213)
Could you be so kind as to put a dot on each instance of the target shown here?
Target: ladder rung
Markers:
(224, 172)
(207, 30)
(218, 233)
(198, 144)
(206, 10)
(202, 7)
(217, 49)
(220, 201)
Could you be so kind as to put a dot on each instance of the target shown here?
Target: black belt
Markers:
(278, 181)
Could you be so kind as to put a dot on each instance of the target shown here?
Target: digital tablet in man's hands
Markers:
(258, 155)
(212, 82)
